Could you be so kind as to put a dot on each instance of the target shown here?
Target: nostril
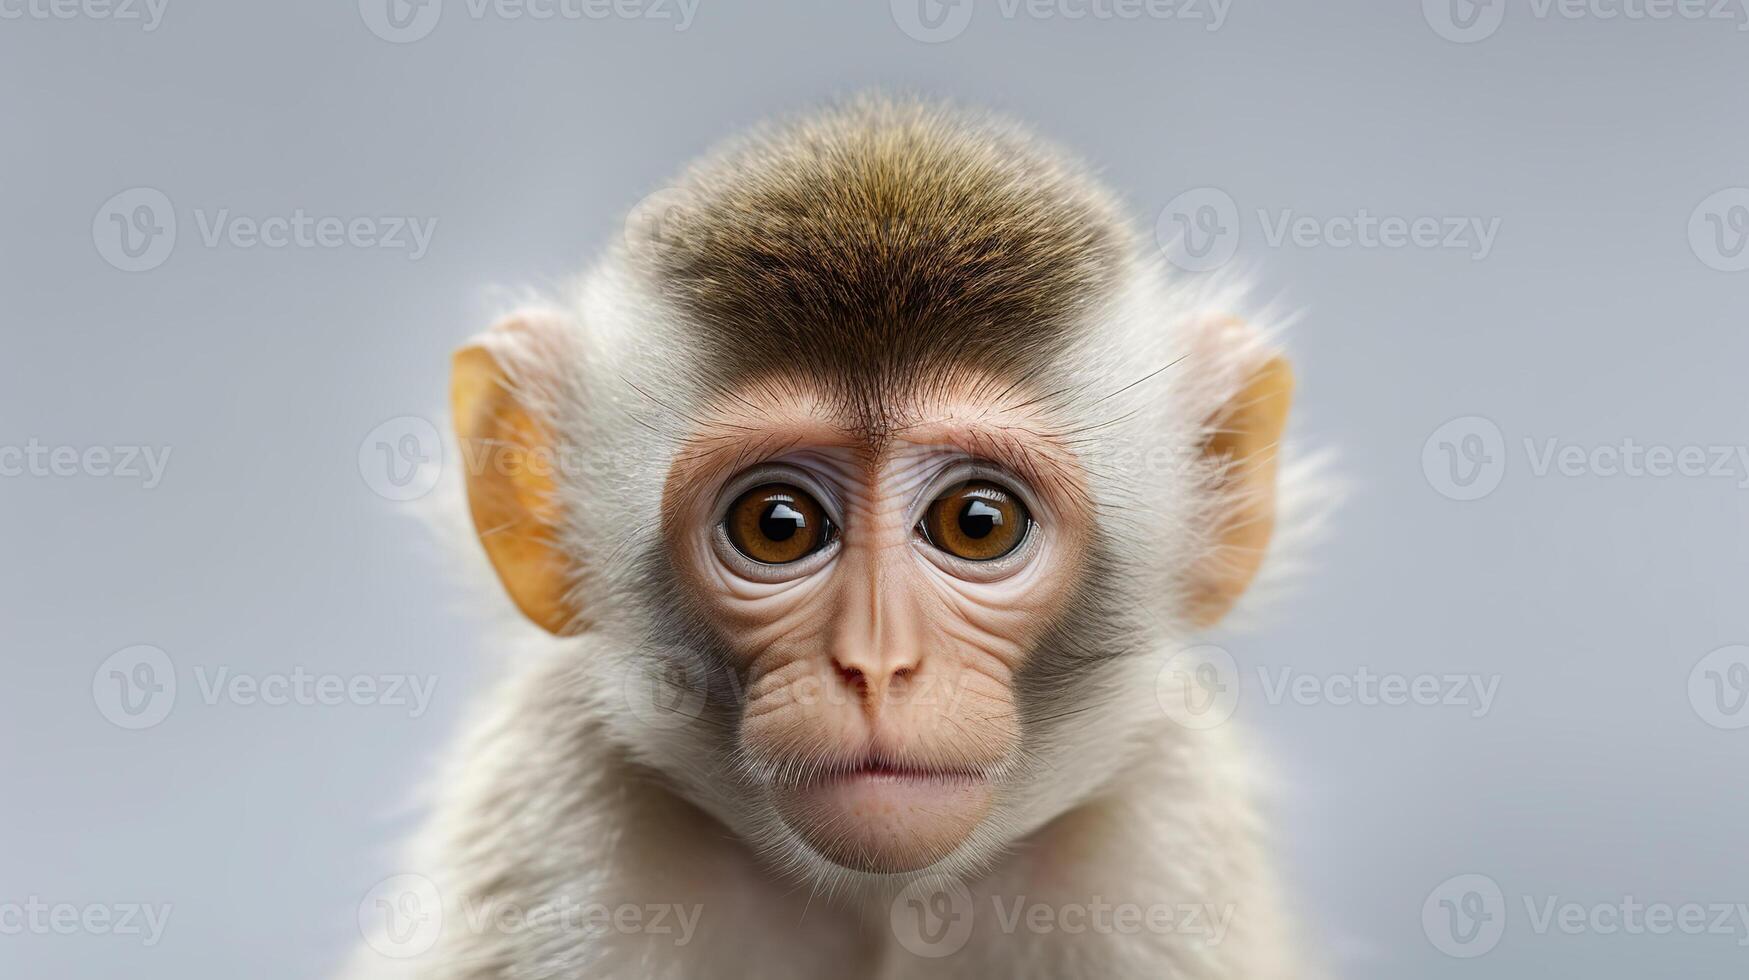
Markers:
(852, 677)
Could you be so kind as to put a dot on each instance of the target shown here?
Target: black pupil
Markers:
(780, 521)
(978, 519)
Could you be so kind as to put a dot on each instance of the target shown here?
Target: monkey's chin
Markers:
(885, 821)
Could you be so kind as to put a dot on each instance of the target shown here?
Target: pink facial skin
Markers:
(879, 669)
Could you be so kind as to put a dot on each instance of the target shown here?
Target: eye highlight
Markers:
(976, 520)
(775, 524)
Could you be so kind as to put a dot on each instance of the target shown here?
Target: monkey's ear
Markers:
(508, 454)
(1244, 436)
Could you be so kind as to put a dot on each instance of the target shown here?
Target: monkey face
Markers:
(929, 471)
(878, 588)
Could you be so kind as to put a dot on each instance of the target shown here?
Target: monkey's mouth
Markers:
(889, 771)
(886, 816)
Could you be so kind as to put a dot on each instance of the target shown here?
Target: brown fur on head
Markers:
(887, 243)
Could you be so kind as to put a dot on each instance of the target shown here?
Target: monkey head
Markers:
(896, 459)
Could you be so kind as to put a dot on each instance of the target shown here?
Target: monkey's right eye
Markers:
(776, 524)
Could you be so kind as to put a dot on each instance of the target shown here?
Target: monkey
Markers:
(854, 519)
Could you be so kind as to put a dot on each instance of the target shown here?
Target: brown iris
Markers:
(977, 520)
(776, 524)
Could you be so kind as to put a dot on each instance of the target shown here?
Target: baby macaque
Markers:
(862, 509)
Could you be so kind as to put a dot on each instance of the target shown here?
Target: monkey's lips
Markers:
(883, 817)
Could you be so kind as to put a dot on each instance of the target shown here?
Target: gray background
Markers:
(1593, 320)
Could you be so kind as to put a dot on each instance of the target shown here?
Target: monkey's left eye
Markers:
(977, 520)
(776, 524)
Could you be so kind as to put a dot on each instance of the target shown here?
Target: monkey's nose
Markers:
(872, 679)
